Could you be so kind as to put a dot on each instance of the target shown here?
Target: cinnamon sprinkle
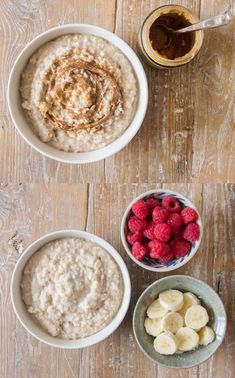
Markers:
(79, 95)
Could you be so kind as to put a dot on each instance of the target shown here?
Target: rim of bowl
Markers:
(95, 155)
(40, 334)
(125, 244)
(179, 276)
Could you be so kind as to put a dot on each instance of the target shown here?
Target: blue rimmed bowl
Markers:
(149, 263)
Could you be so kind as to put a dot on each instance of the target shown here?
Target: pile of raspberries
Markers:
(161, 229)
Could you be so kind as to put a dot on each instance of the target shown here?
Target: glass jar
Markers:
(162, 49)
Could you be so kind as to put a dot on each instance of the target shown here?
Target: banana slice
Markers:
(187, 339)
(196, 317)
(172, 322)
(172, 300)
(189, 300)
(206, 335)
(155, 310)
(165, 343)
(153, 326)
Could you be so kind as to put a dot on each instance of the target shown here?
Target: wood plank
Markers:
(214, 125)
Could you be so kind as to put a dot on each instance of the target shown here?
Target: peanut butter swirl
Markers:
(79, 95)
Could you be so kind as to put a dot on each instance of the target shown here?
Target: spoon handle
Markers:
(213, 22)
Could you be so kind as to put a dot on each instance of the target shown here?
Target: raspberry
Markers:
(140, 209)
(138, 251)
(135, 224)
(171, 204)
(134, 237)
(162, 232)
(189, 215)
(159, 249)
(167, 258)
(160, 215)
(180, 248)
(175, 220)
(191, 232)
(149, 232)
(154, 243)
(152, 203)
(154, 253)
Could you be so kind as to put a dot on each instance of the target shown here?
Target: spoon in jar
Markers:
(213, 22)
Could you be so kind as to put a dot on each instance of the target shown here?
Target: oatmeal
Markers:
(72, 288)
(79, 92)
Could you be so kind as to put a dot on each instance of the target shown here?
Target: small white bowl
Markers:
(36, 330)
(175, 264)
(18, 115)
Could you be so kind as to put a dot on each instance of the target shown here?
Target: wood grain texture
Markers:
(188, 132)
(27, 212)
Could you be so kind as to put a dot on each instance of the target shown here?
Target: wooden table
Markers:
(186, 143)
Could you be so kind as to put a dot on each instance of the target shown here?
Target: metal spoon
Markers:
(213, 22)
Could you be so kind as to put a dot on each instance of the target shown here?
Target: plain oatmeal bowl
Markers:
(70, 289)
(161, 230)
(77, 93)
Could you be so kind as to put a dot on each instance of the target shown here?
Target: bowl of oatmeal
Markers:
(77, 93)
(70, 289)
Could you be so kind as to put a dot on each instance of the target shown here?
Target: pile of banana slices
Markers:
(178, 322)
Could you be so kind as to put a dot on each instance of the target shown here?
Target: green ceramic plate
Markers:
(209, 299)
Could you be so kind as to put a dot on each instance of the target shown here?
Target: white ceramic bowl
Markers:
(18, 116)
(155, 266)
(38, 332)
